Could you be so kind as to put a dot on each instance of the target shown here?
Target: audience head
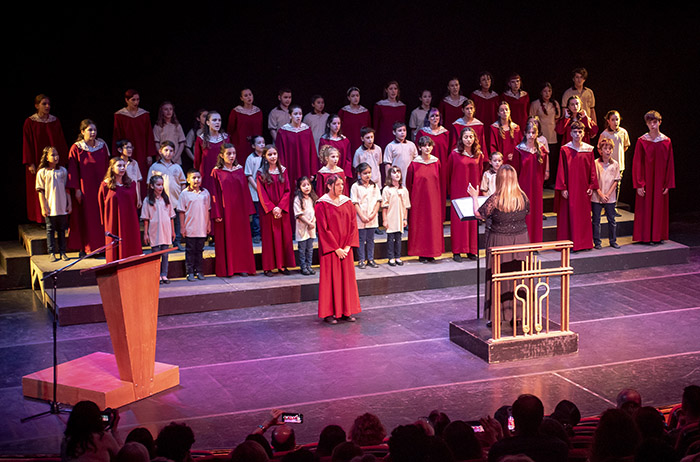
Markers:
(142, 435)
(567, 414)
(283, 438)
(461, 440)
(423, 424)
(133, 452)
(528, 410)
(345, 452)
(615, 436)
(691, 402)
(554, 428)
(300, 455)
(516, 458)
(439, 421)
(84, 421)
(650, 422)
(175, 441)
(330, 437)
(262, 441)
(367, 430)
(249, 451)
(629, 400)
(408, 443)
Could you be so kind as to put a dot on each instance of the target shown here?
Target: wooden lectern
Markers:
(129, 292)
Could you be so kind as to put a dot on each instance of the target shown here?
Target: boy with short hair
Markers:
(605, 197)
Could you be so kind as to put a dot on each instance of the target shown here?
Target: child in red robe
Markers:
(534, 171)
(505, 136)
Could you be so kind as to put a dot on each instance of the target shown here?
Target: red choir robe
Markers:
(205, 158)
(385, 114)
(519, 107)
(352, 121)
(653, 170)
(476, 125)
(563, 127)
(297, 151)
(86, 169)
(505, 145)
(243, 124)
(119, 215)
(336, 226)
(425, 233)
(576, 175)
(346, 154)
(232, 203)
(36, 135)
(441, 138)
(461, 171)
(277, 237)
(322, 176)
(531, 179)
(486, 106)
(139, 131)
(451, 110)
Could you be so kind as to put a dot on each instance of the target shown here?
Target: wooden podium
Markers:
(129, 292)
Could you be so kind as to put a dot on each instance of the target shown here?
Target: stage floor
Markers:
(637, 328)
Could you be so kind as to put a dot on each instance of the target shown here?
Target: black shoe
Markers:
(285, 271)
(361, 265)
(617, 214)
(430, 259)
(311, 270)
(423, 259)
(489, 323)
(614, 245)
(190, 277)
(330, 320)
(399, 262)
(471, 256)
(457, 257)
(373, 264)
(348, 318)
(305, 272)
(268, 273)
(597, 246)
(378, 231)
(391, 263)
(199, 276)
(243, 275)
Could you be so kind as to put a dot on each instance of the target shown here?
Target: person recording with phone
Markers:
(91, 434)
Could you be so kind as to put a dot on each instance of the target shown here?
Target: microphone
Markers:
(113, 236)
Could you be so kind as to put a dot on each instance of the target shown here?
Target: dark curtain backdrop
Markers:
(201, 54)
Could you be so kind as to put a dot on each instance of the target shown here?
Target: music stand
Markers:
(464, 207)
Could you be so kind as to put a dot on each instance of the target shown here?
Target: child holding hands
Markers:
(395, 205)
(304, 201)
(366, 197)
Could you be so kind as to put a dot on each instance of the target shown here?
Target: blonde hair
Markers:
(509, 196)
(603, 140)
(325, 152)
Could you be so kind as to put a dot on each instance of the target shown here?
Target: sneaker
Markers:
(457, 257)
(305, 271)
(597, 246)
(361, 265)
(399, 262)
(200, 276)
(311, 270)
(53, 258)
(165, 280)
(190, 277)
(268, 273)
(373, 264)
(392, 262)
(64, 257)
(614, 245)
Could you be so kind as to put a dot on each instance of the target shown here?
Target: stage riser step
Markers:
(14, 266)
(191, 297)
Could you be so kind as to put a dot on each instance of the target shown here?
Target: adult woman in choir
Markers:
(87, 164)
(118, 202)
(425, 232)
(40, 130)
(244, 121)
(507, 209)
(388, 111)
(336, 227)
(354, 116)
(207, 148)
(134, 124)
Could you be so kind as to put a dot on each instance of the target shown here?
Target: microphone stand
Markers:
(54, 406)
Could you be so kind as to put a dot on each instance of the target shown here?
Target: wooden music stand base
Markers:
(95, 377)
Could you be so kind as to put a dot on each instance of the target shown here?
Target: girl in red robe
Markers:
(518, 99)
(505, 136)
(434, 130)
(118, 212)
(386, 112)
(207, 148)
(425, 233)
(334, 137)
(231, 208)
(330, 156)
(467, 120)
(576, 181)
(464, 168)
(338, 297)
(296, 146)
(134, 124)
(451, 105)
(87, 163)
(274, 192)
(534, 171)
(652, 176)
(575, 113)
(39, 131)
(244, 122)
(485, 100)
(354, 116)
